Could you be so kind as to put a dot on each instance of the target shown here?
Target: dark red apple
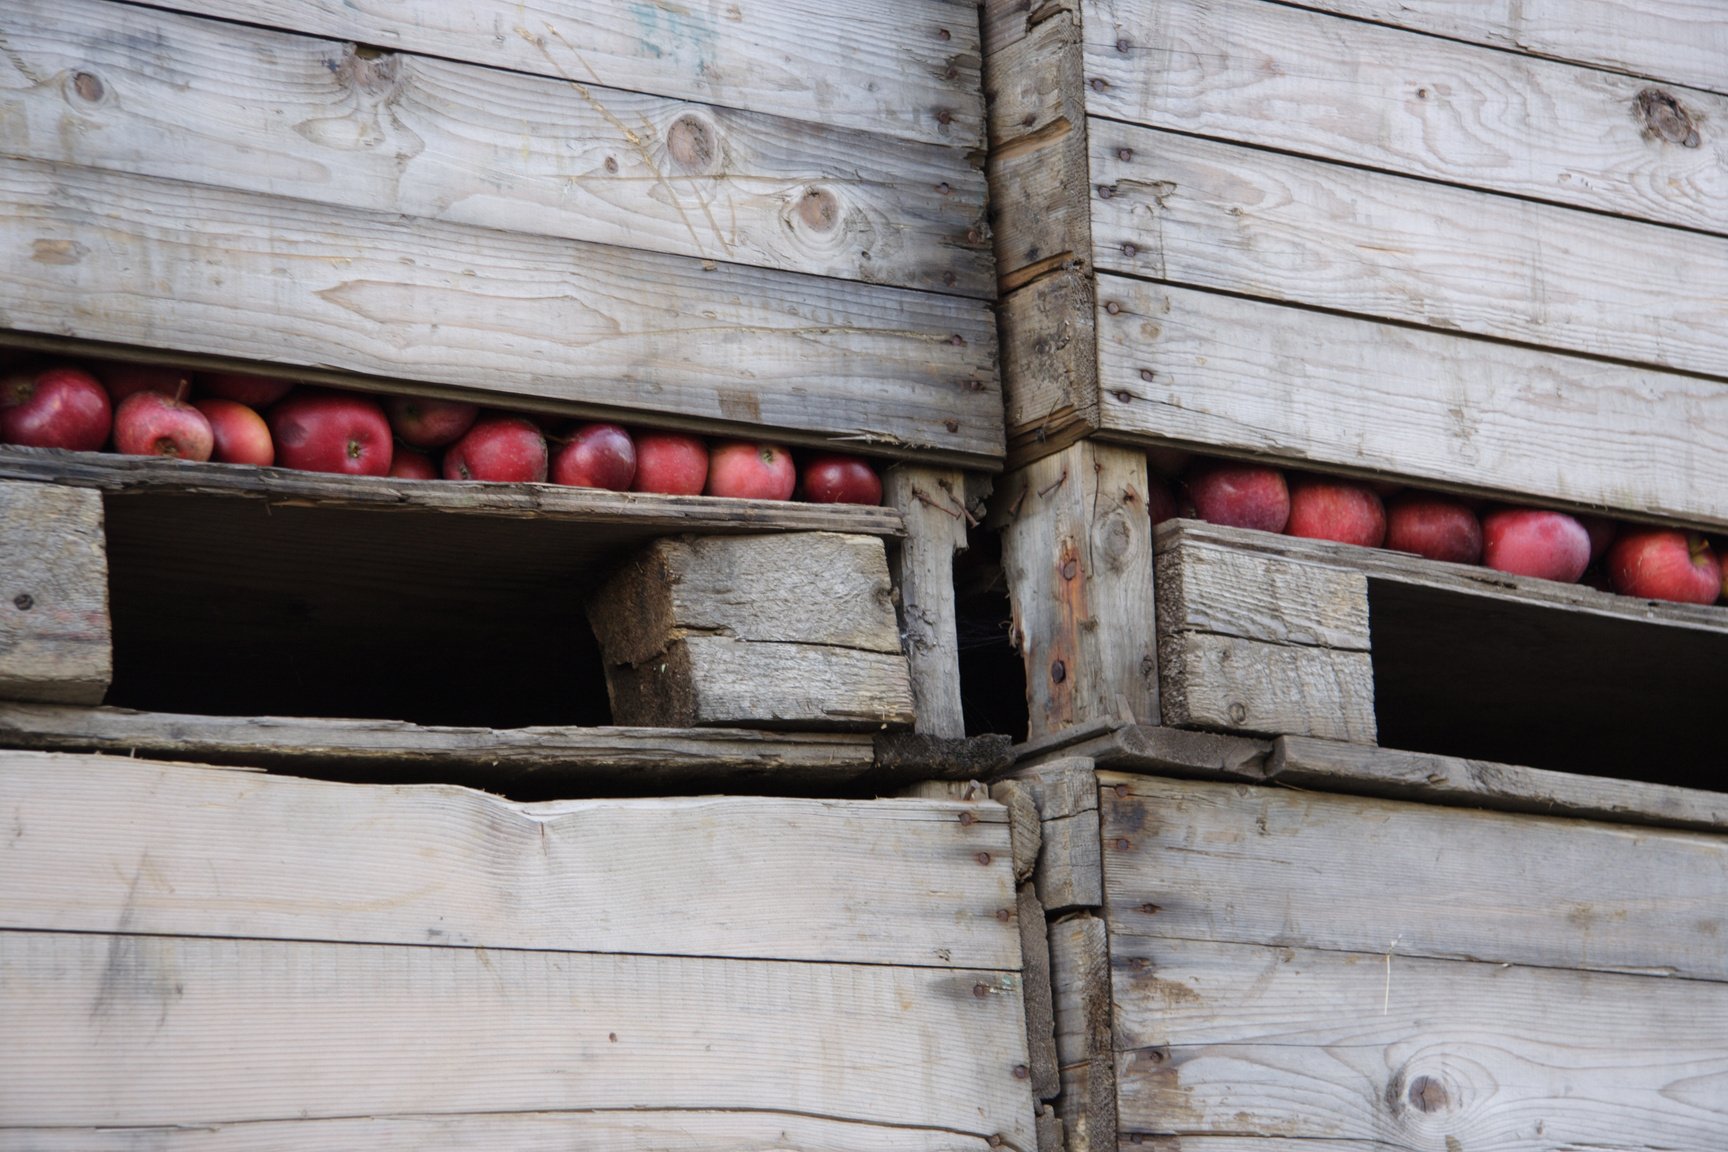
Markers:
(1434, 526)
(1160, 500)
(753, 471)
(596, 456)
(1535, 542)
(840, 480)
(500, 448)
(413, 464)
(1322, 508)
(670, 463)
(253, 391)
(1238, 495)
(122, 380)
(1665, 564)
(240, 433)
(152, 424)
(422, 422)
(319, 431)
(58, 406)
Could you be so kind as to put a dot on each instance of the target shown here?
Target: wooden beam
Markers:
(1253, 687)
(56, 640)
(932, 504)
(1065, 793)
(1080, 969)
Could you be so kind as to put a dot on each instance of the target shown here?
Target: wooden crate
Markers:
(199, 957)
(1251, 959)
(729, 220)
(1475, 245)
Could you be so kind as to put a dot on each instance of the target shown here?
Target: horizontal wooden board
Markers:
(206, 271)
(1246, 376)
(1227, 1038)
(1215, 215)
(142, 1030)
(286, 115)
(56, 638)
(1217, 588)
(1231, 684)
(1239, 864)
(209, 852)
(1302, 81)
(907, 68)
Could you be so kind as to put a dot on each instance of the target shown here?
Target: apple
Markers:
(1602, 532)
(1665, 564)
(152, 424)
(1238, 495)
(240, 433)
(500, 448)
(1436, 527)
(839, 480)
(596, 456)
(750, 470)
(319, 431)
(422, 422)
(58, 406)
(413, 464)
(670, 463)
(253, 391)
(1325, 509)
(1535, 542)
(1160, 500)
(122, 380)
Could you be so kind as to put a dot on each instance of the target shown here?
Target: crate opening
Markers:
(992, 672)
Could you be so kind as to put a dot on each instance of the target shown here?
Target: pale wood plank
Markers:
(1080, 969)
(1317, 1045)
(1215, 215)
(1300, 81)
(285, 115)
(905, 68)
(1221, 590)
(1225, 862)
(211, 272)
(1471, 414)
(1050, 363)
(1065, 792)
(1161, 751)
(931, 502)
(144, 1030)
(56, 640)
(1043, 1067)
(1252, 686)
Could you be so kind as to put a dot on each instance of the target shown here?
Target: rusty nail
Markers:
(1099, 84)
(944, 117)
(943, 34)
(1122, 45)
(944, 188)
(980, 990)
(1123, 395)
(612, 1036)
(1058, 672)
(1147, 374)
(1070, 568)
(957, 340)
(1129, 250)
(1105, 191)
(951, 425)
(982, 857)
(973, 236)
(24, 601)
(1004, 915)
(953, 73)
(1124, 153)
(1021, 1072)
(1113, 308)
(1121, 791)
(993, 1140)
(1150, 909)
(1123, 844)
(968, 818)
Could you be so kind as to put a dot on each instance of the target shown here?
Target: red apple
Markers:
(422, 422)
(1665, 564)
(840, 480)
(241, 435)
(498, 447)
(58, 406)
(412, 464)
(596, 456)
(122, 380)
(318, 431)
(252, 391)
(670, 463)
(1437, 527)
(1238, 495)
(152, 424)
(750, 470)
(1535, 542)
(1160, 501)
(1327, 509)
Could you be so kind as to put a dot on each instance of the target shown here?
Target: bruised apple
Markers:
(151, 424)
(58, 406)
(318, 431)
(670, 463)
(240, 434)
(840, 480)
(596, 456)
(506, 449)
(753, 471)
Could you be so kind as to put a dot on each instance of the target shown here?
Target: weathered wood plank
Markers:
(56, 642)
(1473, 414)
(1215, 215)
(1076, 548)
(212, 272)
(1307, 82)
(1161, 751)
(200, 852)
(1043, 1066)
(1065, 792)
(1223, 591)
(1232, 863)
(142, 1030)
(1080, 969)
(1050, 363)
(906, 68)
(931, 502)
(1252, 686)
(1331, 1046)
(285, 115)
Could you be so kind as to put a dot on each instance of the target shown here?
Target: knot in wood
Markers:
(1070, 568)
(691, 144)
(1238, 713)
(819, 209)
(89, 87)
(1428, 1094)
(1664, 117)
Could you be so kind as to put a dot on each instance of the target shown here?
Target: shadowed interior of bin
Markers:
(1516, 683)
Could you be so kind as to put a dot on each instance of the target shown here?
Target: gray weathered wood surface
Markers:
(1064, 791)
(1213, 587)
(56, 640)
(1253, 686)
(1080, 969)
(932, 503)
(1050, 364)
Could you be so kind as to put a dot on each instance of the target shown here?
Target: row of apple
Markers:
(144, 410)
(1633, 560)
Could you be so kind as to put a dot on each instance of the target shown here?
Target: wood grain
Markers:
(1302, 81)
(1253, 596)
(56, 640)
(1065, 793)
(1080, 969)
(287, 115)
(1255, 687)
(1050, 363)
(205, 271)
(931, 502)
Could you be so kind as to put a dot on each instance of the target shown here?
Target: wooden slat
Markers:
(56, 641)
(138, 1030)
(1080, 969)
(1487, 417)
(206, 271)
(208, 852)
(284, 115)
(1252, 686)
(1050, 363)
(931, 502)
(1206, 214)
(1329, 1046)
(1221, 590)
(1065, 793)
(1279, 77)
(906, 68)
(1193, 860)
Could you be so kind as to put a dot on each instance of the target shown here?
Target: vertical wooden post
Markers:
(933, 503)
(55, 642)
